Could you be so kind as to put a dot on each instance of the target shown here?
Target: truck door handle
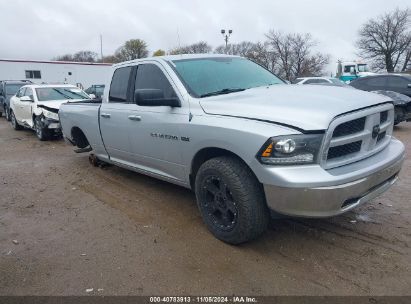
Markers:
(134, 117)
(105, 115)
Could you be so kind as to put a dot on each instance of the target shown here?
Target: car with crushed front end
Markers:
(36, 107)
(402, 105)
(245, 142)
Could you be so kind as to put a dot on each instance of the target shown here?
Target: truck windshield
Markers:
(362, 68)
(205, 77)
(60, 93)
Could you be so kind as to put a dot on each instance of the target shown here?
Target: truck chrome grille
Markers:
(357, 135)
(384, 116)
(343, 150)
(349, 127)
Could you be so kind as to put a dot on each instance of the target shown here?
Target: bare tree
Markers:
(132, 49)
(66, 57)
(195, 48)
(295, 55)
(81, 56)
(242, 49)
(110, 59)
(407, 61)
(85, 56)
(257, 52)
(386, 39)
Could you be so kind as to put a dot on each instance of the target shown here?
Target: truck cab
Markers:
(348, 71)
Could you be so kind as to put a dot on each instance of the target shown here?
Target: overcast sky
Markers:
(43, 29)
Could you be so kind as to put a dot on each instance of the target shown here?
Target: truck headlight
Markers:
(291, 150)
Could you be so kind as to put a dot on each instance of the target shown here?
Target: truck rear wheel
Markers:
(231, 200)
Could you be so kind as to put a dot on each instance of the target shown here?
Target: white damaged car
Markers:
(36, 107)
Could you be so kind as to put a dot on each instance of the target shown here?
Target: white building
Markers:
(82, 74)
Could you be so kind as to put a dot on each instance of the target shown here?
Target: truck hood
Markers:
(303, 107)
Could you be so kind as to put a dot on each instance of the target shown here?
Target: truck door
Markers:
(113, 116)
(157, 134)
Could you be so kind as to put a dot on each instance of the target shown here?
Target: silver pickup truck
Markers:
(242, 139)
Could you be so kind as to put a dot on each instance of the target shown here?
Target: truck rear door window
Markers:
(119, 85)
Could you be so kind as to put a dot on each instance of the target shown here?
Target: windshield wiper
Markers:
(223, 91)
(62, 94)
(78, 94)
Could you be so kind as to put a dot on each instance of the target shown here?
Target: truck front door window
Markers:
(151, 79)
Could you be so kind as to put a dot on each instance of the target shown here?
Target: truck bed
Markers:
(84, 116)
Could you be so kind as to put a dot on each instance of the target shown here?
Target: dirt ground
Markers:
(66, 226)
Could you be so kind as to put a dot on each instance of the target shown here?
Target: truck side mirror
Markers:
(154, 98)
(409, 86)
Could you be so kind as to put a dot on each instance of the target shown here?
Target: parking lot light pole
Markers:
(101, 48)
(226, 37)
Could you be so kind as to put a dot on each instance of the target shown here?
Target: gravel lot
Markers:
(66, 226)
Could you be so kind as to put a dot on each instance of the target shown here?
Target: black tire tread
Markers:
(45, 132)
(254, 217)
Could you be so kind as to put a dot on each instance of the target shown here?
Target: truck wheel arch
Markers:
(206, 154)
(79, 138)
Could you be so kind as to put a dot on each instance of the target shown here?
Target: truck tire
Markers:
(14, 122)
(41, 132)
(231, 200)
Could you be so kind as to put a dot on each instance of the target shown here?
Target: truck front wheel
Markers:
(231, 200)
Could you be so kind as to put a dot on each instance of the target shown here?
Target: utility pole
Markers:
(226, 37)
(101, 47)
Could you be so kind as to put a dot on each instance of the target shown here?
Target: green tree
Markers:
(159, 52)
(132, 49)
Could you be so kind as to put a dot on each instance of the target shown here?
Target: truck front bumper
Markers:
(310, 191)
